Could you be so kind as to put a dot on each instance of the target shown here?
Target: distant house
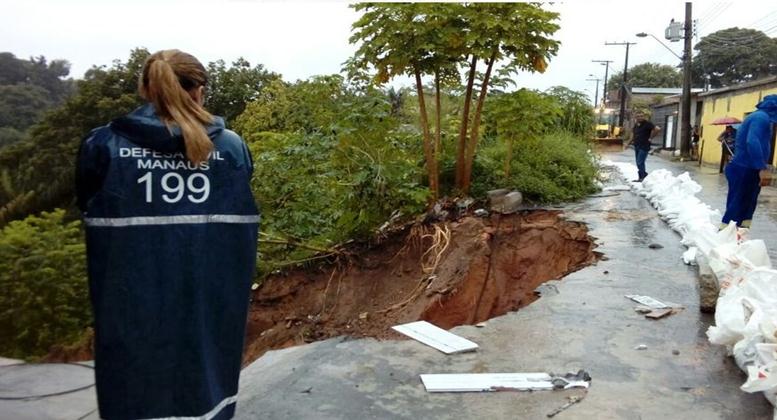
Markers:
(664, 104)
(667, 114)
(730, 101)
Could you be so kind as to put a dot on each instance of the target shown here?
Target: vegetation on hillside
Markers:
(335, 158)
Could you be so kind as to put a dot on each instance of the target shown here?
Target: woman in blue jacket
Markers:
(753, 148)
(171, 230)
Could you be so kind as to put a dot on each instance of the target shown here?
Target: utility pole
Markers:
(685, 123)
(596, 94)
(622, 95)
(606, 64)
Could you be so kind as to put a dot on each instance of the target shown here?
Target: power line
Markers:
(708, 12)
(720, 12)
(757, 21)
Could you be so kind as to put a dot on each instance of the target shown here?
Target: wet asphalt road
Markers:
(583, 322)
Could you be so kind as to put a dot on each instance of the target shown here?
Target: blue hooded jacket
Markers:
(171, 251)
(754, 136)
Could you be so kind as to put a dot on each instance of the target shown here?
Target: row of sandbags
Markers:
(746, 310)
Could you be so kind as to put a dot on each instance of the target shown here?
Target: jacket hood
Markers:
(144, 128)
(769, 105)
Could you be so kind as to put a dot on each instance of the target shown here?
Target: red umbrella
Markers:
(726, 121)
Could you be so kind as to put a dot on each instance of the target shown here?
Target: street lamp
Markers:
(685, 109)
(605, 63)
(623, 92)
(643, 35)
(596, 94)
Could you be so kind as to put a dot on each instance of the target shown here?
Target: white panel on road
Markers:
(436, 337)
(479, 382)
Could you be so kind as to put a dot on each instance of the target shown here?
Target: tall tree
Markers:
(41, 166)
(522, 115)
(734, 55)
(413, 39)
(231, 88)
(29, 88)
(423, 39)
(576, 114)
(649, 75)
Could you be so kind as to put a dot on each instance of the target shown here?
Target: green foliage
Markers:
(436, 39)
(28, 88)
(43, 278)
(576, 114)
(36, 71)
(44, 162)
(231, 88)
(734, 55)
(309, 105)
(22, 105)
(42, 165)
(10, 136)
(648, 75)
(555, 167)
(331, 165)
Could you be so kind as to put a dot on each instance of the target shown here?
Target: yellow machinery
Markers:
(606, 130)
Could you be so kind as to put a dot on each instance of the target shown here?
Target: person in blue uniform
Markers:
(753, 148)
(171, 235)
(727, 141)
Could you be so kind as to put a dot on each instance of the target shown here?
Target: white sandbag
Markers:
(746, 310)
(731, 315)
(749, 307)
(689, 256)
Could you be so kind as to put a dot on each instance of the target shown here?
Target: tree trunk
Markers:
(437, 134)
(508, 158)
(431, 162)
(474, 133)
(461, 152)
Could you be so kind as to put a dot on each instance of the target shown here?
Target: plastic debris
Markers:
(491, 382)
(648, 301)
(436, 337)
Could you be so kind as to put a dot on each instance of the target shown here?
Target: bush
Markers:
(553, 168)
(43, 279)
(331, 164)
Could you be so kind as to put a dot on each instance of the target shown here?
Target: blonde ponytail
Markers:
(166, 80)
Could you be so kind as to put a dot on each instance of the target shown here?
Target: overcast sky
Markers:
(300, 39)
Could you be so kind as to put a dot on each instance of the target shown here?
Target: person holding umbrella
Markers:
(727, 141)
(753, 148)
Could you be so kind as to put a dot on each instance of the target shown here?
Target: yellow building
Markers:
(731, 101)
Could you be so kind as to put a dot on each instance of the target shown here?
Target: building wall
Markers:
(658, 117)
(728, 104)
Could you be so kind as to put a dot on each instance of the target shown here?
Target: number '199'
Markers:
(174, 187)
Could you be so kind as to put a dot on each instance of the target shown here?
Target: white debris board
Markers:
(479, 382)
(436, 337)
(648, 301)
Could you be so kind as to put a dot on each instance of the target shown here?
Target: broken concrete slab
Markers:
(659, 313)
(505, 202)
(709, 287)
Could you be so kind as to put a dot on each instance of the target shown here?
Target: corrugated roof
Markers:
(747, 85)
(661, 91)
(656, 91)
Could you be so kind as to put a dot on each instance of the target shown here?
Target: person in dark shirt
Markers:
(644, 130)
(727, 141)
